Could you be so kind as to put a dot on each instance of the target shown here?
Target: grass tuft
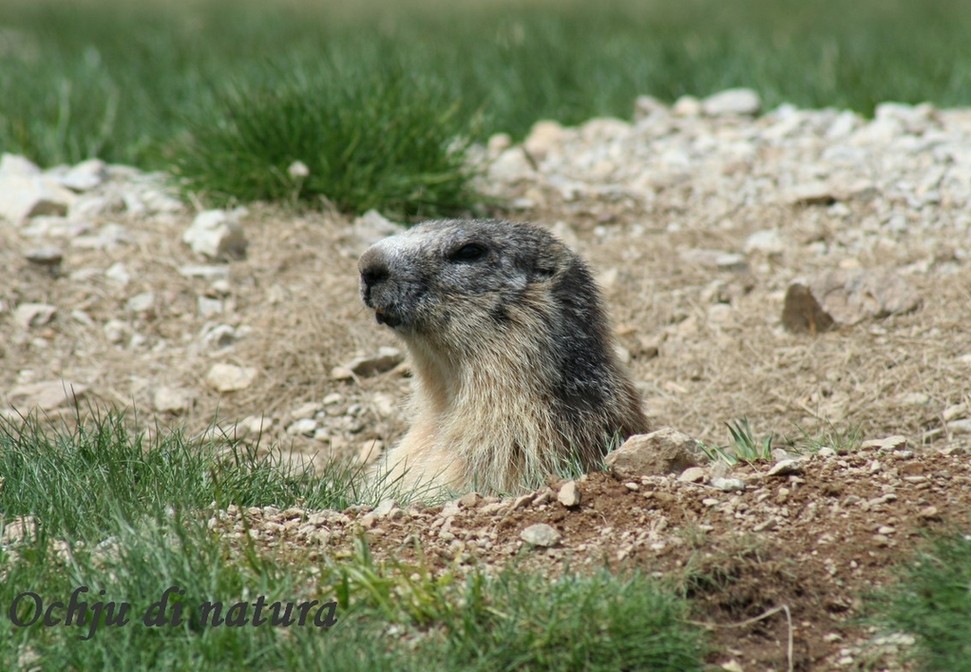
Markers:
(745, 447)
(520, 620)
(81, 479)
(355, 139)
(932, 601)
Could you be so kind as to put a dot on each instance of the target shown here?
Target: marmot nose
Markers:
(374, 272)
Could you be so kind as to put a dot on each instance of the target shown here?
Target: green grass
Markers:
(842, 440)
(80, 479)
(932, 601)
(744, 446)
(117, 512)
(207, 80)
(372, 138)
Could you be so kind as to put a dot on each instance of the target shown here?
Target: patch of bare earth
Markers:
(814, 542)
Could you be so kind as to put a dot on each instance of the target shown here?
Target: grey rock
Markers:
(173, 400)
(24, 197)
(846, 297)
(569, 494)
(786, 468)
(47, 395)
(961, 426)
(768, 241)
(302, 427)
(204, 271)
(108, 236)
(85, 176)
(217, 234)
(511, 165)
(14, 164)
(541, 535)
(889, 443)
(141, 303)
(28, 315)
(230, 378)
(692, 475)
(665, 451)
(49, 257)
(221, 336)
(544, 137)
(118, 273)
(371, 227)
(726, 261)
(728, 484)
(811, 193)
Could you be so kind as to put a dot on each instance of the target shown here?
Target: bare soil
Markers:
(705, 344)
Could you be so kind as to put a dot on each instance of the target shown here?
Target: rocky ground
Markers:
(807, 270)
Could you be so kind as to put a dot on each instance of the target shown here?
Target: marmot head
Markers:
(448, 277)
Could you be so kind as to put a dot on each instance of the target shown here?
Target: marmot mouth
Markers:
(386, 317)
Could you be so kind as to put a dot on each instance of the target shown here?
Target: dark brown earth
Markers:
(789, 556)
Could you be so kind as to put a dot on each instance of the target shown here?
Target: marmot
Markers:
(515, 369)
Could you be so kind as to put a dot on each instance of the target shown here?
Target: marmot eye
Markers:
(469, 252)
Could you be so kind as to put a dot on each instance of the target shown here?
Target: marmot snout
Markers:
(514, 365)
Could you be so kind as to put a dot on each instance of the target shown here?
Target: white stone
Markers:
(221, 336)
(118, 273)
(511, 166)
(24, 197)
(230, 378)
(307, 410)
(95, 205)
(732, 102)
(298, 170)
(371, 227)
(569, 495)
(14, 164)
(46, 395)
(767, 241)
(28, 315)
(302, 427)
(216, 234)
(203, 271)
(108, 236)
(785, 468)
(687, 106)
(544, 137)
(209, 307)
(116, 331)
(85, 176)
(728, 484)
(692, 475)
(45, 256)
(171, 399)
(141, 303)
